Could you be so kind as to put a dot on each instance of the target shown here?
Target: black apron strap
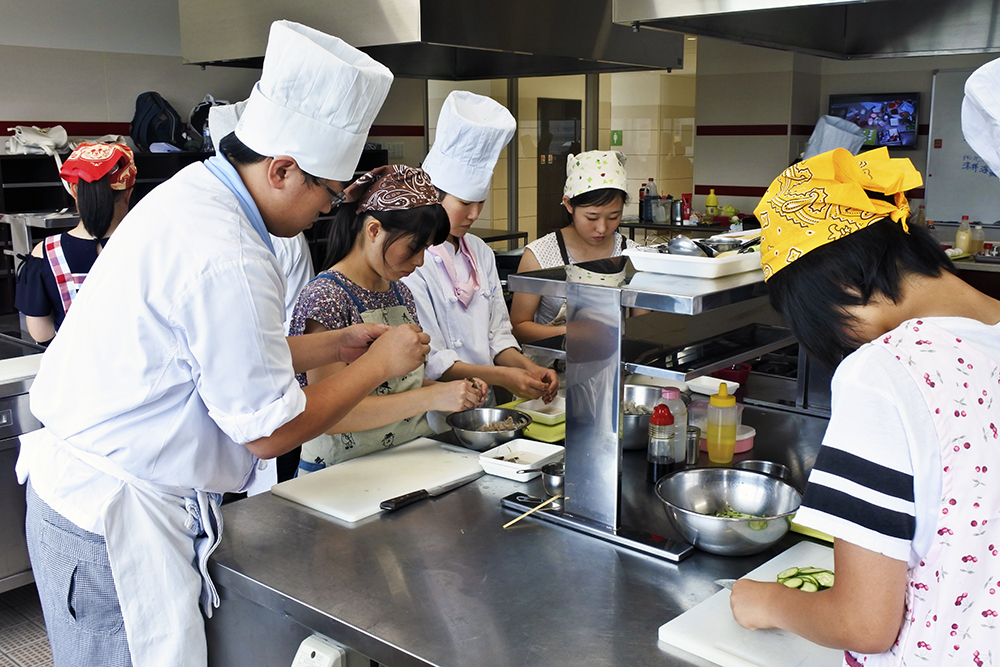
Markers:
(623, 245)
(562, 247)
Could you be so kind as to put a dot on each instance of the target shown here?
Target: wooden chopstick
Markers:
(533, 509)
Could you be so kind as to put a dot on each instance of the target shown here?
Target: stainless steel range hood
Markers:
(439, 39)
(843, 30)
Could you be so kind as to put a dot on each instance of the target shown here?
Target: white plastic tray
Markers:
(529, 454)
(694, 267)
(553, 413)
(709, 385)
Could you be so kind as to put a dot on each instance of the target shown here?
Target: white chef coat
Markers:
(296, 264)
(171, 360)
(475, 335)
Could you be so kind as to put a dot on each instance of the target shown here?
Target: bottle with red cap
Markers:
(660, 454)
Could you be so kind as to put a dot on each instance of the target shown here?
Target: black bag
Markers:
(198, 120)
(155, 120)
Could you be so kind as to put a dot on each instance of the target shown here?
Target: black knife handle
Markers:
(404, 500)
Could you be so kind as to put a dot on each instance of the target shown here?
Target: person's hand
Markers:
(750, 601)
(455, 396)
(401, 349)
(551, 380)
(353, 341)
(522, 383)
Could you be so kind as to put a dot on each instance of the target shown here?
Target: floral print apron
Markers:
(953, 594)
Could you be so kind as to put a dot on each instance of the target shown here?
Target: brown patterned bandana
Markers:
(393, 187)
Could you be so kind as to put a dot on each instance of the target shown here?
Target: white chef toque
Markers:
(316, 101)
(471, 132)
(981, 113)
(222, 120)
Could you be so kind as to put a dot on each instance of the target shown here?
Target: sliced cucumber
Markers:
(808, 579)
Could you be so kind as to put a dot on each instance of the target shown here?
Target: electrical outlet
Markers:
(319, 651)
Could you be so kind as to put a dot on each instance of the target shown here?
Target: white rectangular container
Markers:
(529, 454)
(694, 267)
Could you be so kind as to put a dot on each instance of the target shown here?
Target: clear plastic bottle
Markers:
(963, 237)
(721, 423)
(671, 397)
(652, 196)
(662, 444)
(978, 239)
(711, 204)
(206, 140)
(921, 217)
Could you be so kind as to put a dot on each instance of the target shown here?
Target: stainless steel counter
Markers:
(441, 583)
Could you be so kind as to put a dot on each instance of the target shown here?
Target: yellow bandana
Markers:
(823, 199)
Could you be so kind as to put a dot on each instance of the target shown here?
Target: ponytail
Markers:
(96, 204)
(344, 231)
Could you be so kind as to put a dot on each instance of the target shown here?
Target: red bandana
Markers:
(91, 162)
(393, 187)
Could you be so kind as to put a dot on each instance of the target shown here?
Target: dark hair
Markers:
(95, 202)
(427, 225)
(599, 197)
(813, 291)
(243, 155)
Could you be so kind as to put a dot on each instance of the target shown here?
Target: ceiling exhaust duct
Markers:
(842, 30)
(438, 39)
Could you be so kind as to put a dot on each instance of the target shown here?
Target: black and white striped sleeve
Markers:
(861, 488)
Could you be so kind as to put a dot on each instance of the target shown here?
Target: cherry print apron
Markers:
(327, 450)
(953, 594)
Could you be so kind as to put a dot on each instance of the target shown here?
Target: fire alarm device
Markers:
(937, 143)
(319, 651)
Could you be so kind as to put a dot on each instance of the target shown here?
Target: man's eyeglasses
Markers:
(338, 197)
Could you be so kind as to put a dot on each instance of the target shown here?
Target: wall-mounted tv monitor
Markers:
(887, 119)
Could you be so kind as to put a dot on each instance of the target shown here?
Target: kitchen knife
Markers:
(412, 497)
(725, 583)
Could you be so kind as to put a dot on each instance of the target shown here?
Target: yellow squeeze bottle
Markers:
(711, 204)
(721, 425)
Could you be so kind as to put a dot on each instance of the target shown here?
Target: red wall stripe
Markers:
(770, 130)
(73, 128)
(754, 191)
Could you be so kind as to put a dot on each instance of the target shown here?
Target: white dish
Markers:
(652, 381)
(709, 385)
(693, 267)
(529, 454)
(553, 413)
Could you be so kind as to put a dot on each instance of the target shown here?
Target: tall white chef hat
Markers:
(316, 100)
(471, 132)
(222, 120)
(981, 113)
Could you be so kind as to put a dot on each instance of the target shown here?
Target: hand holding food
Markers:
(523, 384)
(457, 395)
(401, 349)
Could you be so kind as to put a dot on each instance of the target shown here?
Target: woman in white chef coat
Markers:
(171, 378)
(594, 198)
(458, 294)
(390, 216)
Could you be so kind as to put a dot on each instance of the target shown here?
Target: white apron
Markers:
(159, 561)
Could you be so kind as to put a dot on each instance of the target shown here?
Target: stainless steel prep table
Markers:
(441, 583)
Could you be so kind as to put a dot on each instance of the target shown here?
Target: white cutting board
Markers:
(710, 631)
(354, 489)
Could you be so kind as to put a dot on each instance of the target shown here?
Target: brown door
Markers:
(559, 127)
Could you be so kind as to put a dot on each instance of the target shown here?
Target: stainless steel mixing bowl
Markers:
(692, 497)
(466, 425)
(635, 428)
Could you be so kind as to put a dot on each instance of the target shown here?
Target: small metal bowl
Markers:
(553, 478)
(466, 425)
(635, 428)
(692, 497)
(767, 467)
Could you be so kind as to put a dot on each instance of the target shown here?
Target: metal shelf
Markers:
(708, 355)
(653, 291)
(553, 347)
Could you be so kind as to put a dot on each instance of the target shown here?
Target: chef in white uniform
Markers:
(171, 379)
(457, 290)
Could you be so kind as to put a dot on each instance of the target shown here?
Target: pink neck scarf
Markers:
(464, 291)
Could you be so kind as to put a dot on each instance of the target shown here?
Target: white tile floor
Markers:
(23, 642)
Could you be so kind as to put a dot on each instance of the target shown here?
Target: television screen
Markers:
(887, 120)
